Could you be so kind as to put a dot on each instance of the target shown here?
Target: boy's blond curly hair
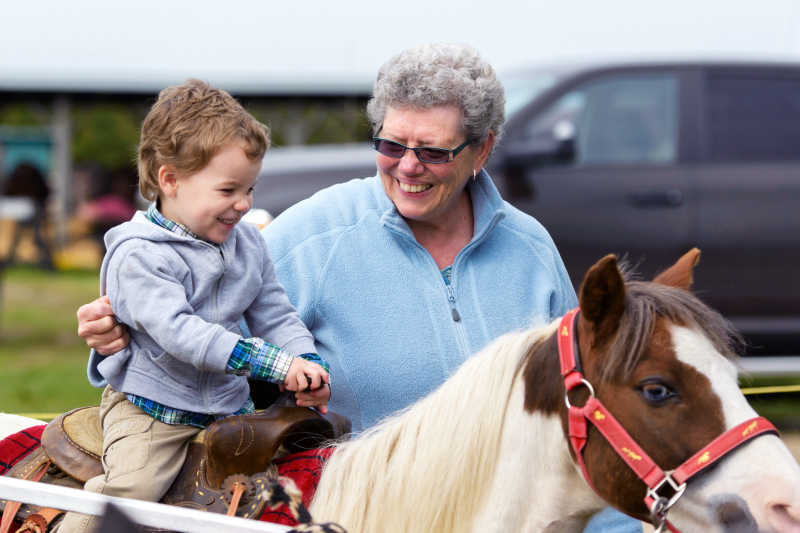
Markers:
(187, 126)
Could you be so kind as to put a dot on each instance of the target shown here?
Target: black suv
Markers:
(645, 161)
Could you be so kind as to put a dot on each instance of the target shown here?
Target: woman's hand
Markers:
(100, 329)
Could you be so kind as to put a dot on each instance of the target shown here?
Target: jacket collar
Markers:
(488, 206)
(164, 229)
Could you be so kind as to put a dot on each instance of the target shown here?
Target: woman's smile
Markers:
(413, 187)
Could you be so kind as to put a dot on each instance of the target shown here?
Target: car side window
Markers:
(630, 119)
(753, 117)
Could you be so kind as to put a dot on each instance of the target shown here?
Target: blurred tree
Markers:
(106, 134)
(299, 121)
(24, 114)
(340, 122)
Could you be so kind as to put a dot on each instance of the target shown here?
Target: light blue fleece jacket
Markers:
(377, 304)
(182, 300)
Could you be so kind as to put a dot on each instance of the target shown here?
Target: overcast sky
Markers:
(244, 44)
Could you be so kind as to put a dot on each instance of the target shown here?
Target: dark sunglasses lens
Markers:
(433, 155)
(389, 148)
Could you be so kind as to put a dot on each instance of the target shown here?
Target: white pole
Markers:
(145, 513)
(62, 165)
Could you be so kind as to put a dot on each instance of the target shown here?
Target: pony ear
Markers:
(680, 274)
(602, 296)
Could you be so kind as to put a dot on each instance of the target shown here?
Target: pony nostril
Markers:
(783, 518)
(732, 515)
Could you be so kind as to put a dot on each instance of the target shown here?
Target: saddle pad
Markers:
(304, 468)
(17, 446)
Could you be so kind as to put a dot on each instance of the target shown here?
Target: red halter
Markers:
(654, 477)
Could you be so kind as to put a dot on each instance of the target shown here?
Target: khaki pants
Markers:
(141, 457)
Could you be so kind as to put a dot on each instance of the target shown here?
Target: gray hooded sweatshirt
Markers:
(183, 300)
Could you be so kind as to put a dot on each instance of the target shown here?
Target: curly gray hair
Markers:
(441, 74)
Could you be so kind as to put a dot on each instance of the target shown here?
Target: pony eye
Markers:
(656, 392)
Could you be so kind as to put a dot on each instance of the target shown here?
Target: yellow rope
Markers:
(748, 391)
(39, 416)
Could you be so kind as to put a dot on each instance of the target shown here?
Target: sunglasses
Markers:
(425, 154)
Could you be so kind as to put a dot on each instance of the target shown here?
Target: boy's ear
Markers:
(167, 180)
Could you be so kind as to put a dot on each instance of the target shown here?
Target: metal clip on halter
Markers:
(658, 512)
(662, 504)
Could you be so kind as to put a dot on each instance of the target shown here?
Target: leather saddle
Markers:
(227, 462)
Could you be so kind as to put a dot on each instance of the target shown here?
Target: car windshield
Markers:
(523, 86)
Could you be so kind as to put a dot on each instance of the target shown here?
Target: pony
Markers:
(488, 451)
(10, 424)
(504, 445)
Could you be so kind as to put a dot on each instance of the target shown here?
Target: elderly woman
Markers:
(401, 276)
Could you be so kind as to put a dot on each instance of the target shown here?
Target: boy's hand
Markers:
(312, 398)
(304, 375)
(315, 398)
(309, 377)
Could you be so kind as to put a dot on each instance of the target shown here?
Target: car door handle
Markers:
(655, 198)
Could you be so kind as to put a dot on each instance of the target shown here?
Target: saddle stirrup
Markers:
(40, 521)
(11, 508)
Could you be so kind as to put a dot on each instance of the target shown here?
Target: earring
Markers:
(474, 175)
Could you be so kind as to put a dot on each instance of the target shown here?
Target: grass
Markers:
(43, 361)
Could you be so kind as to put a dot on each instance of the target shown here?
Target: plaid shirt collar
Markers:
(155, 216)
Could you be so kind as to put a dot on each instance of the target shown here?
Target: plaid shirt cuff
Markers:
(258, 359)
(314, 358)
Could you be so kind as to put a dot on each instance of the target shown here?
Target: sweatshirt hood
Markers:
(140, 227)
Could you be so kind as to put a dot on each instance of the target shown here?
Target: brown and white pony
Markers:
(487, 451)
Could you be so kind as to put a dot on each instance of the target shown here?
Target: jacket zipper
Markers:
(451, 297)
(204, 376)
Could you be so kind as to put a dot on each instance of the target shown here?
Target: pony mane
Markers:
(437, 456)
(645, 302)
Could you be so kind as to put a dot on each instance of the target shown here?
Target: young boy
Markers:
(182, 276)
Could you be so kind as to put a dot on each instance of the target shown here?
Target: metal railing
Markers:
(144, 513)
